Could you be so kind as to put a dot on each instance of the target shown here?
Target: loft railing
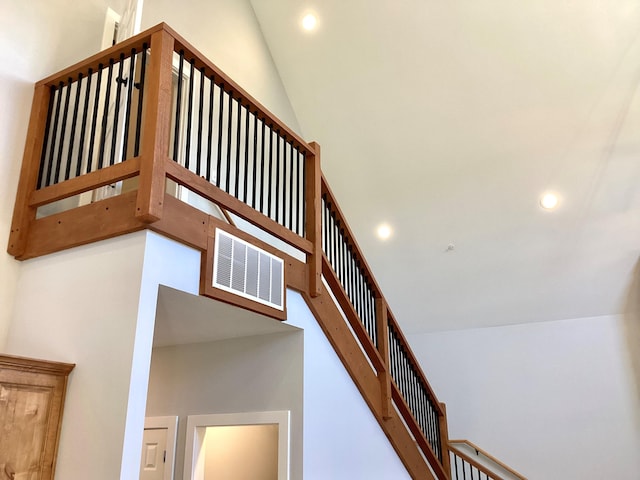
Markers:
(470, 462)
(153, 109)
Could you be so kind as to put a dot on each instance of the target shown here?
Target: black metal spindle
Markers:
(200, 121)
(255, 160)
(105, 116)
(178, 114)
(210, 127)
(116, 113)
(229, 128)
(143, 69)
(220, 121)
(297, 191)
(74, 122)
(284, 185)
(270, 169)
(187, 154)
(127, 113)
(246, 155)
(262, 165)
(63, 129)
(43, 154)
(94, 119)
(236, 191)
(277, 192)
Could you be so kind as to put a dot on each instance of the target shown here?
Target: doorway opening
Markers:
(251, 445)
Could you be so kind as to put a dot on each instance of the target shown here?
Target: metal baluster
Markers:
(277, 192)
(262, 154)
(94, 119)
(187, 153)
(210, 128)
(229, 128)
(83, 127)
(236, 192)
(43, 154)
(143, 69)
(200, 122)
(270, 171)
(127, 115)
(63, 131)
(220, 120)
(74, 122)
(105, 116)
(297, 191)
(176, 131)
(116, 113)
(246, 155)
(255, 160)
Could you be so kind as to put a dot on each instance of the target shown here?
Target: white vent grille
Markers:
(248, 271)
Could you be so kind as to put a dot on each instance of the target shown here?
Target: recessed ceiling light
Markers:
(549, 201)
(384, 231)
(309, 22)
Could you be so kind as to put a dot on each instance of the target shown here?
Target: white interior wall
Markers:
(95, 306)
(39, 37)
(342, 439)
(552, 400)
(227, 33)
(247, 374)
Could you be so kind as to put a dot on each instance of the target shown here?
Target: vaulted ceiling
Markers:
(448, 120)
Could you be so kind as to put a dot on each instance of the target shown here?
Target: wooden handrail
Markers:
(487, 455)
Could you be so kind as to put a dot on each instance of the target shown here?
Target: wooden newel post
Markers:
(313, 205)
(444, 440)
(23, 214)
(157, 123)
(382, 326)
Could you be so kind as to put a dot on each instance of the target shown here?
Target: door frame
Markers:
(171, 424)
(197, 427)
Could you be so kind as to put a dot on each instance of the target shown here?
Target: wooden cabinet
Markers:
(31, 402)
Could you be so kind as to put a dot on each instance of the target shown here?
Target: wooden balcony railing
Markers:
(152, 109)
(468, 461)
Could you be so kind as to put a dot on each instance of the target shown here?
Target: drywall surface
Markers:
(247, 374)
(552, 400)
(342, 439)
(227, 33)
(95, 306)
(39, 37)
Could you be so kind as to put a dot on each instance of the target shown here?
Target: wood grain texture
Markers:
(90, 181)
(313, 215)
(32, 396)
(383, 348)
(444, 438)
(452, 445)
(157, 121)
(87, 224)
(202, 187)
(23, 213)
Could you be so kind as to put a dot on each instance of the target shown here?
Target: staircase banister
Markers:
(476, 464)
(486, 454)
(392, 321)
(247, 100)
(326, 191)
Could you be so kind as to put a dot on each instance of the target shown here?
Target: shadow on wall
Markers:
(632, 330)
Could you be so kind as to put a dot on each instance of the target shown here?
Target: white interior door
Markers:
(154, 454)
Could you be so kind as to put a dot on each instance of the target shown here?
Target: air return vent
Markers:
(243, 269)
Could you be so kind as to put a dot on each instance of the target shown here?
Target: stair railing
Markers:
(470, 462)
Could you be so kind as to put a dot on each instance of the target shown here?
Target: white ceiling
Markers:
(209, 320)
(448, 120)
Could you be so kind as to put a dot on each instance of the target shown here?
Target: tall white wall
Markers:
(39, 37)
(248, 374)
(553, 400)
(342, 439)
(95, 306)
(227, 33)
